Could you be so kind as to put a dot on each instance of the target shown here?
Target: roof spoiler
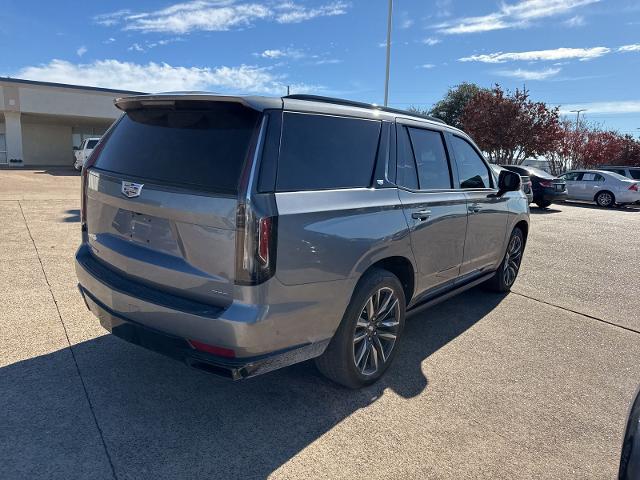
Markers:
(171, 99)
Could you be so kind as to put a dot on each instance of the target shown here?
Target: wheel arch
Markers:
(402, 268)
(603, 191)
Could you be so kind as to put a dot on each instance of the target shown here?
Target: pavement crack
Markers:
(73, 355)
(592, 317)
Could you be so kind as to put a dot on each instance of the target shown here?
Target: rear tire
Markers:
(507, 272)
(543, 204)
(605, 199)
(366, 341)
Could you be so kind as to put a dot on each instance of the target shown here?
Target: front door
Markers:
(488, 213)
(436, 212)
(572, 180)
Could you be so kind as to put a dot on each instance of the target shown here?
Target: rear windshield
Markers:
(538, 172)
(202, 149)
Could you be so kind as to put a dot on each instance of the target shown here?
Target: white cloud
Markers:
(575, 21)
(515, 15)
(535, 55)
(522, 74)
(81, 50)
(290, 12)
(157, 77)
(109, 40)
(136, 47)
(216, 15)
(426, 66)
(599, 108)
(431, 41)
(630, 48)
(277, 53)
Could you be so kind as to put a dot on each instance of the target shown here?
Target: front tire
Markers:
(366, 341)
(543, 204)
(507, 272)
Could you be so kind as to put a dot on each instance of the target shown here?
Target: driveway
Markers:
(533, 384)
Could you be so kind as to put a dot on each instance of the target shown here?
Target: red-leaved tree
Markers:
(510, 127)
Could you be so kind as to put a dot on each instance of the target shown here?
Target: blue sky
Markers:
(574, 53)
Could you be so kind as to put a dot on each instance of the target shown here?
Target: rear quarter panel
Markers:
(336, 234)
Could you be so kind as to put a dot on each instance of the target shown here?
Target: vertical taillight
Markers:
(255, 246)
(634, 187)
(90, 162)
(264, 239)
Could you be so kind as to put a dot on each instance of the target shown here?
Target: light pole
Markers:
(577, 112)
(386, 81)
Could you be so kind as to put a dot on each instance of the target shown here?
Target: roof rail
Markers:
(352, 103)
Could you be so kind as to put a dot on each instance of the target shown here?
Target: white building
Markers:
(41, 122)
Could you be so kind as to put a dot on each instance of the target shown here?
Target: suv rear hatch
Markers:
(161, 195)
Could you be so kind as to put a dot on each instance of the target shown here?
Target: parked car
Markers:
(244, 234)
(607, 189)
(525, 185)
(632, 173)
(525, 182)
(546, 188)
(83, 152)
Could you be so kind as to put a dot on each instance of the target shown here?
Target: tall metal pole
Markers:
(386, 81)
(577, 112)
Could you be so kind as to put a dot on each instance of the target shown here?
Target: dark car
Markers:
(546, 188)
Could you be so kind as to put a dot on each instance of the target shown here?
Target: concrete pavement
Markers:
(535, 384)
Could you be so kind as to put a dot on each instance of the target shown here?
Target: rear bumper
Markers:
(179, 349)
(261, 339)
(550, 195)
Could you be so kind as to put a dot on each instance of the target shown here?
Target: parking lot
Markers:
(535, 384)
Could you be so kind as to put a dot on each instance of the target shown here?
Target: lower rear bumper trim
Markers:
(179, 349)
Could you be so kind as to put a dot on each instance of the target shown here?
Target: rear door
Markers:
(434, 209)
(488, 213)
(162, 197)
(590, 184)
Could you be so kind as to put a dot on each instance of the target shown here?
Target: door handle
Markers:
(421, 215)
(475, 208)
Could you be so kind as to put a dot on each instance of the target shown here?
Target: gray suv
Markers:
(241, 234)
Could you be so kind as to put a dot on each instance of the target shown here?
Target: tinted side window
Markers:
(323, 152)
(431, 159)
(471, 168)
(407, 176)
(635, 174)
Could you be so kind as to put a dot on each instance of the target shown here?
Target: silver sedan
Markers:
(607, 189)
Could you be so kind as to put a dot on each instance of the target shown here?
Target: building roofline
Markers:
(66, 85)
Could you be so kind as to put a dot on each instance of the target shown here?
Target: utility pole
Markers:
(288, 90)
(386, 81)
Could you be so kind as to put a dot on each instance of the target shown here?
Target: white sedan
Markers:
(607, 189)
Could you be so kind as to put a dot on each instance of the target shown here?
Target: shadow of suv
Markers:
(243, 234)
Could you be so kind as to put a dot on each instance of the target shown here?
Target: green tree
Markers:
(450, 108)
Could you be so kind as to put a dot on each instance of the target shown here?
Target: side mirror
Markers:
(508, 181)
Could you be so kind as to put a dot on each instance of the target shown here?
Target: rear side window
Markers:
(92, 143)
(635, 174)
(320, 152)
(202, 149)
(431, 159)
(471, 168)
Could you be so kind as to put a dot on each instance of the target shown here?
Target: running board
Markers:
(451, 293)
